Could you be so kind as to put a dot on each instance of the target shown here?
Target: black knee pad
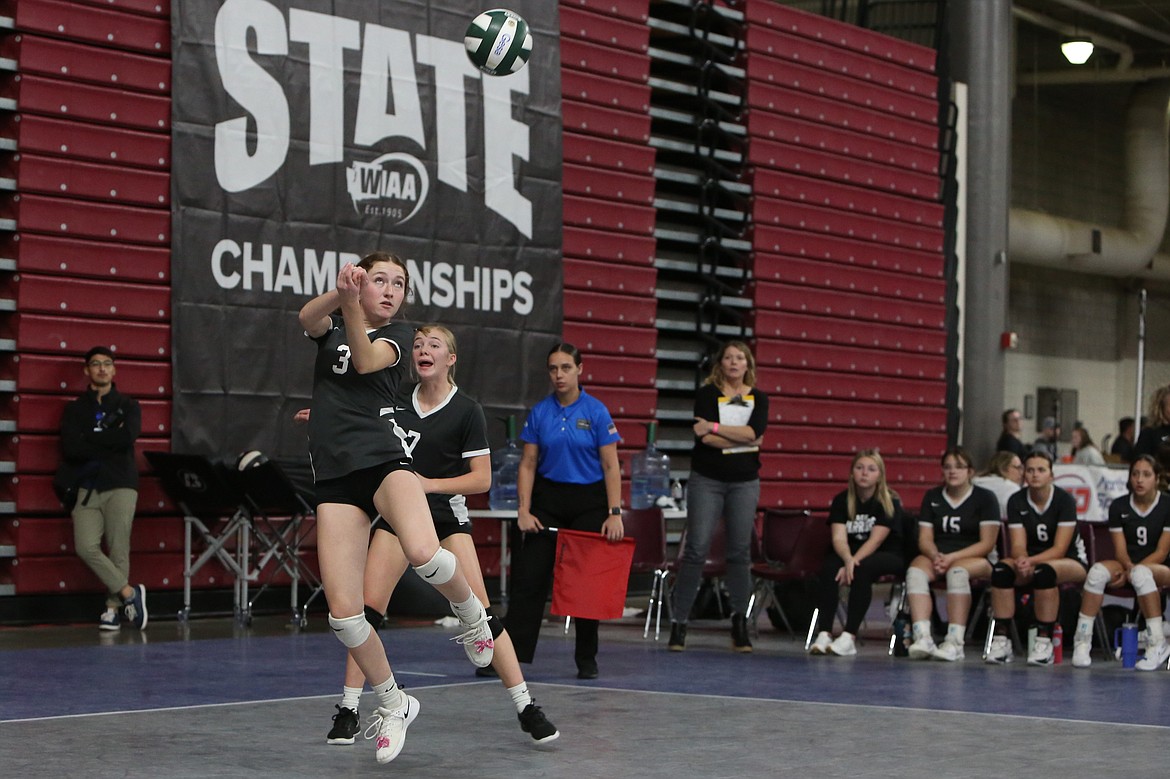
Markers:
(1003, 576)
(1044, 577)
(374, 617)
(495, 624)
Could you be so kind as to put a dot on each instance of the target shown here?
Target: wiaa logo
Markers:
(393, 186)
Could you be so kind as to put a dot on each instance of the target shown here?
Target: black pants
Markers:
(555, 504)
(867, 571)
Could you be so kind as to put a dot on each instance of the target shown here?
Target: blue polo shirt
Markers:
(569, 438)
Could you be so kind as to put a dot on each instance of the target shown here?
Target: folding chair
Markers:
(793, 545)
(648, 528)
(271, 494)
(214, 507)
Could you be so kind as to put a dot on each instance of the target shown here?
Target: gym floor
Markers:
(210, 698)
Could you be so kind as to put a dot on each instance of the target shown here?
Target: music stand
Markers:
(206, 496)
(270, 493)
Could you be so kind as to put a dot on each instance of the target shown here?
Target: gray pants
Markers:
(710, 501)
(108, 514)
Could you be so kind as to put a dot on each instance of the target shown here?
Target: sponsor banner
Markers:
(308, 133)
(1093, 486)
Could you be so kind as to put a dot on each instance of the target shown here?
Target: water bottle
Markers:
(505, 471)
(1057, 643)
(901, 637)
(649, 473)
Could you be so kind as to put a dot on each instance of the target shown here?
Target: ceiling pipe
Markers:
(1036, 238)
(1089, 75)
(1115, 19)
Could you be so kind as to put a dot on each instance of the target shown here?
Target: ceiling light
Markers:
(1077, 50)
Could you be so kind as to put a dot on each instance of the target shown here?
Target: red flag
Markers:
(591, 575)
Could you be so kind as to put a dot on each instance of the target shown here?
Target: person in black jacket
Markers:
(98, 431)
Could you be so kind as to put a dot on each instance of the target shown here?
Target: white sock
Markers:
(389, 696)
(520, 697)
(1084, 627)
(1154, 635)
(350, 697)
(955, 633)
(469, 611)
(921, 629)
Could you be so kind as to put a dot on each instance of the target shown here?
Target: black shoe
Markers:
(740, 641)
(533, 722)
(587, 669)
(678, 637)
(345, 726)
(486, 673)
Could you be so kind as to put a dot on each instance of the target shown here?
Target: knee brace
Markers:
(1044, 577)
(439, 569)
(958, 581)
(1097, 579)
(351, 631)
(1003, 576)
(494, 624)
(1142, 579)
(917, 582)
(374, 617)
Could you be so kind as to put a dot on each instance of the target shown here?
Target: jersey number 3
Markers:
(342, 364)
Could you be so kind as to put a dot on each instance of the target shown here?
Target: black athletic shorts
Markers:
(443, 527)
(357, 488)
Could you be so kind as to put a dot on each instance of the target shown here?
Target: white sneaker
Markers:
(109, 620)
(949, 651)
(1155, 658)
(844, 646)
(1000, 651)
(923, 648)
(388, 727)
(1041, 653)
(821, 645)
(477, 641)
(1082, 654)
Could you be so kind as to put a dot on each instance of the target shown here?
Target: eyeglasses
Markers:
(101, 364)
(737, 401)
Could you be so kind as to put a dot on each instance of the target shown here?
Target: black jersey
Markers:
(440, 442)
(870, 514)
(346, 433)
(1040, 522)
(957, 527)
(1142, 531)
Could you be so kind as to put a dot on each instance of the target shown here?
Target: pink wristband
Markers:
(715, 428)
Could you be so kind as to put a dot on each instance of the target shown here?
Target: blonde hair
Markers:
(1157, 415)
(716, 376)
(446, 336)
(882, 491)
(998, 464)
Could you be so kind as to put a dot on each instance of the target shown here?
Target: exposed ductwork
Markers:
(1129, 250)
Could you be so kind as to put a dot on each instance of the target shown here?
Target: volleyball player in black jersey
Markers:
(361, 469)
(447, 437)
(1139, 524)
(957, 528)
(1044, 551)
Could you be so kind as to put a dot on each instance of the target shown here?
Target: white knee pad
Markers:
(351, 631)
(439, 569)
(1097, 579)
(917, 582)
(958, 581)
(1142, 579)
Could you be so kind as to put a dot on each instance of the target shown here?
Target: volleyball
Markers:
(498, 42)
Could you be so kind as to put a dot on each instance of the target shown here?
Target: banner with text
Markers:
(308, 133)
